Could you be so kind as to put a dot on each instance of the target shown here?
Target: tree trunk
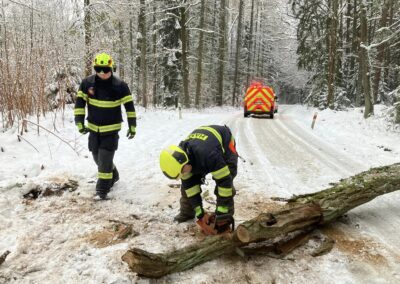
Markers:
(256, 38)
(339, 68)
(333, 22)
(31, 26)
(185, 64)
(388, 53)
(238, 45)
(250, 42)
(155, 62)
(121, 51)
(2, 20)
(355, 51)
(364, 62)
(347, 43)
(381, 51)
(143, 52)
(221, 53)
(88, 39)
(213, 54)
(199, 74)
(131, 51)
(303, 212)
(171, 66)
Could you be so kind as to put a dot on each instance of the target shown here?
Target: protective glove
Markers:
(82, 129)
(206, 224)
(131, 132)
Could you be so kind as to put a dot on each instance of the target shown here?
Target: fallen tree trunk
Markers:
(304, 212)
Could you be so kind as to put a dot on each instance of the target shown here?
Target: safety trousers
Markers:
(103, 149)
(105, 166)
(231, 158)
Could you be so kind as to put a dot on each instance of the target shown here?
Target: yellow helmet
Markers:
(172, 160)
(103, 60)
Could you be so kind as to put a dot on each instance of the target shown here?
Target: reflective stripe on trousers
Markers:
(104, 160)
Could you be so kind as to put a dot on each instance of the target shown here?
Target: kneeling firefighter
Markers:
(208, 149)
(103, 94)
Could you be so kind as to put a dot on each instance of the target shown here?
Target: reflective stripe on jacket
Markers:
(103, 100)
(208, 149)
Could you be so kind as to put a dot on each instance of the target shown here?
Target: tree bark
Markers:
(131, 50)
(199, 73)
(381, 51)
(171, 66)
(364, 62)
(356, 76)
(304, 212)
(155, 82)
(121, 51)
(185, 64)
(143, 52)
(213, 54)
(250, 43)
(88, 39)
(221, 53)
(332, 34)
(238, 46)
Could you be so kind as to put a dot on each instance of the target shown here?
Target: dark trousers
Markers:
(103, 148)
(231, 159)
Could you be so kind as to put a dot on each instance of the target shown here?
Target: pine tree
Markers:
(171, 64)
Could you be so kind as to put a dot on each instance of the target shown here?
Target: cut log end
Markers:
(242, 234)
(145, 263)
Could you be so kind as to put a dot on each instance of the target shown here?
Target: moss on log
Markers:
(353, 191)
(303, 212)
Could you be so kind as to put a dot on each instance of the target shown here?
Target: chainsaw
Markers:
(212, 224)
(224, 222)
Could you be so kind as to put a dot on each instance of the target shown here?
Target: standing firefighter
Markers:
(208, 149)
(104, 94)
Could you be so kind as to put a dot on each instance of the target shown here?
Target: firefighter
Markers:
(103, 94)
(208, 149)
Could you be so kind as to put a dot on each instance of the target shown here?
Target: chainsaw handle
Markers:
(224, 219)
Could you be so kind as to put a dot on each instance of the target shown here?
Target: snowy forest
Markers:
(328, 53)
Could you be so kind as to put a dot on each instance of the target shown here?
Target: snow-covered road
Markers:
(51, 239)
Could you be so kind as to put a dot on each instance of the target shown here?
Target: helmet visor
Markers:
(102, 69)
(180, 157)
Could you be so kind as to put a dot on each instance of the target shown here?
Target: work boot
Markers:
(186, 211)
(102, 193)
(182, 217)
(115, 176)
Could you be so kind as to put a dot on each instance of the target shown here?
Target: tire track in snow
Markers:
(291, 161)
(282, 157)
(325, 157)
(258, 165)
(337, 158)
(278, 161)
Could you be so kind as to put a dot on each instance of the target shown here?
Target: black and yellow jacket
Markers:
(104, 99)
(210, 149)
